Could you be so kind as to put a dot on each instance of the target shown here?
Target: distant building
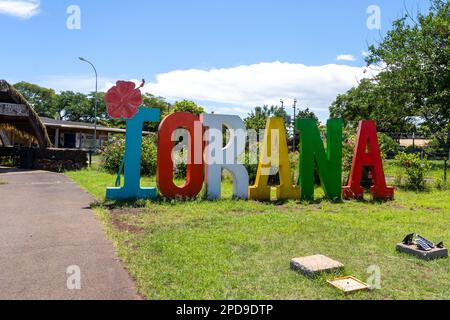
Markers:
(77, 135)
(20, 126)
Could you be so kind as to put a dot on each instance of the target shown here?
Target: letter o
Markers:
(195, 168)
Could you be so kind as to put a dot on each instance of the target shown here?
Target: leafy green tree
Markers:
(151, 101)
(257, 119)
(307, 114)
(369, 101)
(187, 106)
(416, 57)
(71, 106)
(42, 99)
(414, 79)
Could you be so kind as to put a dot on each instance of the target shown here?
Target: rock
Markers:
(436, 253)
(314, 265)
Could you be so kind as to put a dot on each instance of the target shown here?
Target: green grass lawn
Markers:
(241, 249)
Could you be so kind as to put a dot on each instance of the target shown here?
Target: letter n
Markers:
(132, 159)
(312, 155)
(274, 154)
(367, 154)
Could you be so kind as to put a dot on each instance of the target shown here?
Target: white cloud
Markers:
(238, 89)
(24, 9)
(345, 57)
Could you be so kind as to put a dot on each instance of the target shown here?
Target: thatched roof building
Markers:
(18, 115)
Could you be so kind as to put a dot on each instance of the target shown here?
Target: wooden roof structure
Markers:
(16, 112)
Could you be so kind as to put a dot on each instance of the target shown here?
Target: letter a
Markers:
(367, 154)
(274, 154)
(329, 164)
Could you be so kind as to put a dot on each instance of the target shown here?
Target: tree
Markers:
(151, 101)
(307, 114)
(414, 78)
(71, 106)
(257, 119)
(42, 99)
(368, 101)
(187, 106)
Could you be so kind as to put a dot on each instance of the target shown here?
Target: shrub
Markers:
(113, 153)
(441, 185)
(252, 168)
(435, 149)
(348, 150)
(389, 147)
(180, 165)
(415, 169)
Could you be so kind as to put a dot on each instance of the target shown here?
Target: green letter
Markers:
(312, 152)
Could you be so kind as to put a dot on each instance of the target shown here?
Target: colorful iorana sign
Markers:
(207, 156)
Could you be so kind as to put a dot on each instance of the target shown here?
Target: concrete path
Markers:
(47, 230)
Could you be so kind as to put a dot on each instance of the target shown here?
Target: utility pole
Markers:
(95, 108)
(293, 130)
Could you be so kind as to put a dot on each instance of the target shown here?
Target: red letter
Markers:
(367, 154)
(194, 171)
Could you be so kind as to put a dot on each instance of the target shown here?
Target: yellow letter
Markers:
(274, 155)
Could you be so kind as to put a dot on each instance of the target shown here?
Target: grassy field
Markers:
(241, 249)
(436, 173)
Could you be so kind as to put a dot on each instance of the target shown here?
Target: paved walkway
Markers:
(46, 226)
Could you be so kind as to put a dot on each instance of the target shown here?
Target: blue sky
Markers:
(226, 55)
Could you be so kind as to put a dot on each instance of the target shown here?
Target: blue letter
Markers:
(133, 152)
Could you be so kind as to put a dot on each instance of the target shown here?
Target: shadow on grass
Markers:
(202, 198)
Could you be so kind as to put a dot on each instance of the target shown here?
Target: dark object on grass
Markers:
(424, 243)
(416, 251)
(440, 245)
(409, 239)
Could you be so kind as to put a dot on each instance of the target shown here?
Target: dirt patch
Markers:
(123, 226)
(126, 227)
(397, 206)
(434, 210)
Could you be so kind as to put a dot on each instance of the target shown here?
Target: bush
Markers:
(441, 185)
(415, 169)
(252, 168)
(435, 149)
(180, 165)
(113, 154)
(388, 146)
(348, 150)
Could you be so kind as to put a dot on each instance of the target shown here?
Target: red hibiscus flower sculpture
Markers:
(123, 100)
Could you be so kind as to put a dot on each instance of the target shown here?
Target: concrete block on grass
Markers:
(436, 253)
(314, 265)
